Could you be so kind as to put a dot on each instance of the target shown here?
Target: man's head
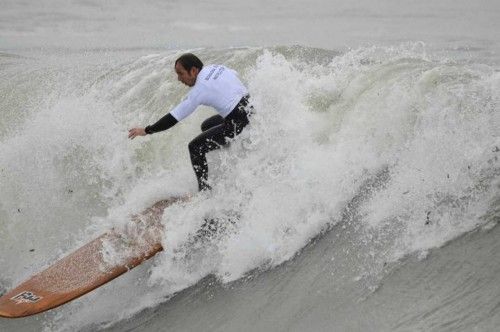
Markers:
(187, 67)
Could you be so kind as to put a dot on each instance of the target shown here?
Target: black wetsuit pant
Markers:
(216, 132)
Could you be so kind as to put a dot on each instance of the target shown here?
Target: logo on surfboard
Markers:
(26, 297)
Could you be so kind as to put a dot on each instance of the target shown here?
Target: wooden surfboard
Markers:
(88, 267)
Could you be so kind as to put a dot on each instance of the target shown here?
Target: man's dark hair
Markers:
(189, 60)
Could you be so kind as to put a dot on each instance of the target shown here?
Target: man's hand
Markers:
(134, 132)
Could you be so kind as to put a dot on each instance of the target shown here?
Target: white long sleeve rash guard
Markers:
(216, 86)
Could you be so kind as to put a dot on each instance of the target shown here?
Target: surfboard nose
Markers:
(86, 269)
(20, 302)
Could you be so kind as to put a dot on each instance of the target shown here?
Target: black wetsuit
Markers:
(216, 131)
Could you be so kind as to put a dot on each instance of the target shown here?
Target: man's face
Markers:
(186, 77)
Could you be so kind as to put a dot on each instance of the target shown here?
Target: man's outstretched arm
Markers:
(164, 123)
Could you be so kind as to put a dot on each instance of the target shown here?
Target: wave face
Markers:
(355, 165)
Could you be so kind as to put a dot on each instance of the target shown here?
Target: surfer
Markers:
(214, 85)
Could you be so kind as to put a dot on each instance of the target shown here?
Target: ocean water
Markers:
(363, 197)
